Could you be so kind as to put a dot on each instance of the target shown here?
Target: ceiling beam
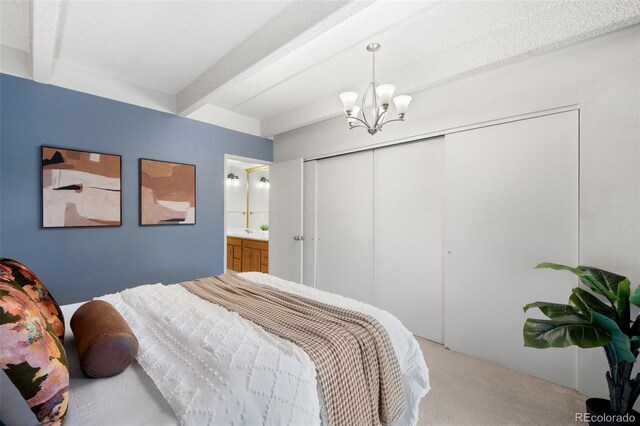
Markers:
(303, 22)
(44, 33)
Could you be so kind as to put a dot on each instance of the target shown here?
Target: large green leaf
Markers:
(610, 280)
(619, 340)
(562, 332)
(600, 281)
(558, 267)
(555, 310)
(603, 282)
(587, 302)
(622, 307)
(635, 297)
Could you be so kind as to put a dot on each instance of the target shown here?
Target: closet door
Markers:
(285, 227)
(345, 225)
(408, 182)
(511, 203)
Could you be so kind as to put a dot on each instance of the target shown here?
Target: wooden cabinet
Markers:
(234, 254)
(244, 255)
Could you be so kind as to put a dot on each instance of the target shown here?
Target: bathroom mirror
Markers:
(258, 197)
(247, 196)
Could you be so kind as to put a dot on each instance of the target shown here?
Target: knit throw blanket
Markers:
(358, 372)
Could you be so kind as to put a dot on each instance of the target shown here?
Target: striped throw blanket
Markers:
(358, 372)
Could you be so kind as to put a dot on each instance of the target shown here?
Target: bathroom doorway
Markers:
(246, 224)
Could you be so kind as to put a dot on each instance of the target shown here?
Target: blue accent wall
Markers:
(77, 264)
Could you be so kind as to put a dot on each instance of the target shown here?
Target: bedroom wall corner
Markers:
(77, 264)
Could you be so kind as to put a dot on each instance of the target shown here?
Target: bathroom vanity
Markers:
(248, 252)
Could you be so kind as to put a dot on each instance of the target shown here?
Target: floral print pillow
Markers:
(14, 271)
(32, 356)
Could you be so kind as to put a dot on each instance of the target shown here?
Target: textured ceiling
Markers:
(441, 42)
(279, 65)
(15, 23)
(161, 44)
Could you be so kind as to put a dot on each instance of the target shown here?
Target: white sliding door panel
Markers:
(345, 225)
(309, 221)
(511, 203)
(285, 211)
(408, 207)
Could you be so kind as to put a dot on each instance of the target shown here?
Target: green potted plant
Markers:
(264, 228)
(600, 317)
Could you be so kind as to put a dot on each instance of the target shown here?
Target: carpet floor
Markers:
(468, 391)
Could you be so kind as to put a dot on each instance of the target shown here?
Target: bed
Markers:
(245, 375)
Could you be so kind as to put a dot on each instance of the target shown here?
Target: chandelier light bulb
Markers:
(348, 100)
(402, 104)
(385, 93)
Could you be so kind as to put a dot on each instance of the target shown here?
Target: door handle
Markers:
(298, 238)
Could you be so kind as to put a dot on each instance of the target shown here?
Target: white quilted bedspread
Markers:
(214, 367)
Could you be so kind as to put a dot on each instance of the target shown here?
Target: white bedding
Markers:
(219, 368)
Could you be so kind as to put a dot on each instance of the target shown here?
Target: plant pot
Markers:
(600, 414)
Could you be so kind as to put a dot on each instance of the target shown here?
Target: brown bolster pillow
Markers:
(106, 345)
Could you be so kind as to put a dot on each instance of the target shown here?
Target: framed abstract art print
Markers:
(80, 188)
(167, 193)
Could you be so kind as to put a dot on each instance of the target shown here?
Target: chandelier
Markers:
(380, 95)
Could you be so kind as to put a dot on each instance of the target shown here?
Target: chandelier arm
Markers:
(391, 121)
(360, 120)
(395, 119)
(376, 109)
(358, 125)
(362, 108)
(380, 119)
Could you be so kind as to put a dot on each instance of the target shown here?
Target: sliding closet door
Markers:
(408, 182)
(511, 203)
(345, 225)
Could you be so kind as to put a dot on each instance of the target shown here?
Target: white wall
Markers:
(602, 77)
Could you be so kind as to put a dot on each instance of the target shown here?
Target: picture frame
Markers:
(167, 193)
(79, 188)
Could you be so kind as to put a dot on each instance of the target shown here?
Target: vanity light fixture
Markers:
(233, 179)
(264, 182)
(378, 105)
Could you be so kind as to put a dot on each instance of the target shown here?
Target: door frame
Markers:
(224, 202)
